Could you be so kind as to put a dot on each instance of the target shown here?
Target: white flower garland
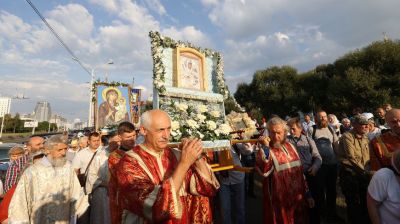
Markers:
(159, 42)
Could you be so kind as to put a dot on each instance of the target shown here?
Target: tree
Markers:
(367, 78)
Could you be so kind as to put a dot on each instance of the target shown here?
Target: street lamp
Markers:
(91, 73)
(110, 62)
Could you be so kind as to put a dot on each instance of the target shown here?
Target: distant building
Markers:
(42, 111)
(60, 121)
(80, 125)
(5, 104)
(27, 117)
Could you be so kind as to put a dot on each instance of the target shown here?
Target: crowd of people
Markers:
(132, 176)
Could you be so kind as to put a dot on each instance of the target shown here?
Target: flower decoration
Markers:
(158, 43)
(189, 121)
(242, 122)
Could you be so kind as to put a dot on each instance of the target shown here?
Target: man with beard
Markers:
(34, 145)
(383, 146)
(125, 140)
(354, 177)
(160, 185)
(326, 139)
(285, 190)
(47, 190)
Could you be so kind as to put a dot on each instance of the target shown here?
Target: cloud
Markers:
(301, 47)
(73, 17)
(349, 23)
(209, 2)
(156, 6)
(110, 5)
(188, 33)
(12, 27)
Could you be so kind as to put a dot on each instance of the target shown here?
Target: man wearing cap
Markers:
(373, 131)
(354, 176)
(383, 146)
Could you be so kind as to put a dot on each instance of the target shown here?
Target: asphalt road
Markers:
(254, 206)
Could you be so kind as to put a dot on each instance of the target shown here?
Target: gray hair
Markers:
(54, 141)
(83, 138)
(277, 121)
(345, 120)
(147, 117)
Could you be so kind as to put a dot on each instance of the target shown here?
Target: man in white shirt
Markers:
(83, 157)
(80, 164)
(383, 198)
(307, 123)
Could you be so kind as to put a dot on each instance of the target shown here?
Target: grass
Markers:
(13, 137)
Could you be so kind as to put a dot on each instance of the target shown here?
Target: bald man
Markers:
(162, 185)
(34, 148)
(383, 146)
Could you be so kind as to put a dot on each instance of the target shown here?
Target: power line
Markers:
(58, 37)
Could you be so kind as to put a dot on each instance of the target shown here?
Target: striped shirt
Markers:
(14, 171)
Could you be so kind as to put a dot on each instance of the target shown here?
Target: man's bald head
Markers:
(35, 144)
(392, 118)
(147, 117)
(156, 128)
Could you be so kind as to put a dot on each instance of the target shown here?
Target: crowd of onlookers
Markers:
(358, 154)
(302, 161)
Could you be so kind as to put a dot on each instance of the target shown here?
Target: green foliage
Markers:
(366, 78)
(16, 125)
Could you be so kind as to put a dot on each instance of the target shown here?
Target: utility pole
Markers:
(2, 125)
(90, 124)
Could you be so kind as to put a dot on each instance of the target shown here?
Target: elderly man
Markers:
(161, 185)
(310, 159)
(125, 140)
(354, 177)
(82, 142)
(34, 145)
(284, 185)
(384, 145)
(48, 190)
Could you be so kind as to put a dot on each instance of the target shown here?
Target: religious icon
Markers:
(189, 69)
(113, 109)
(190, 75)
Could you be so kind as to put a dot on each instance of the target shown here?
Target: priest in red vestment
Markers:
(162, 185)
(383, 146)
(285, 191)
(123, 141)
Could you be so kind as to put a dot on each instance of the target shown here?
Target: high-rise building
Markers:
(42, 111)
(5, 104)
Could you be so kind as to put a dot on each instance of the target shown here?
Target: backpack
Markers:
(315, 129)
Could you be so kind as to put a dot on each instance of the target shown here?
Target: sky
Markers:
(250, 34)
